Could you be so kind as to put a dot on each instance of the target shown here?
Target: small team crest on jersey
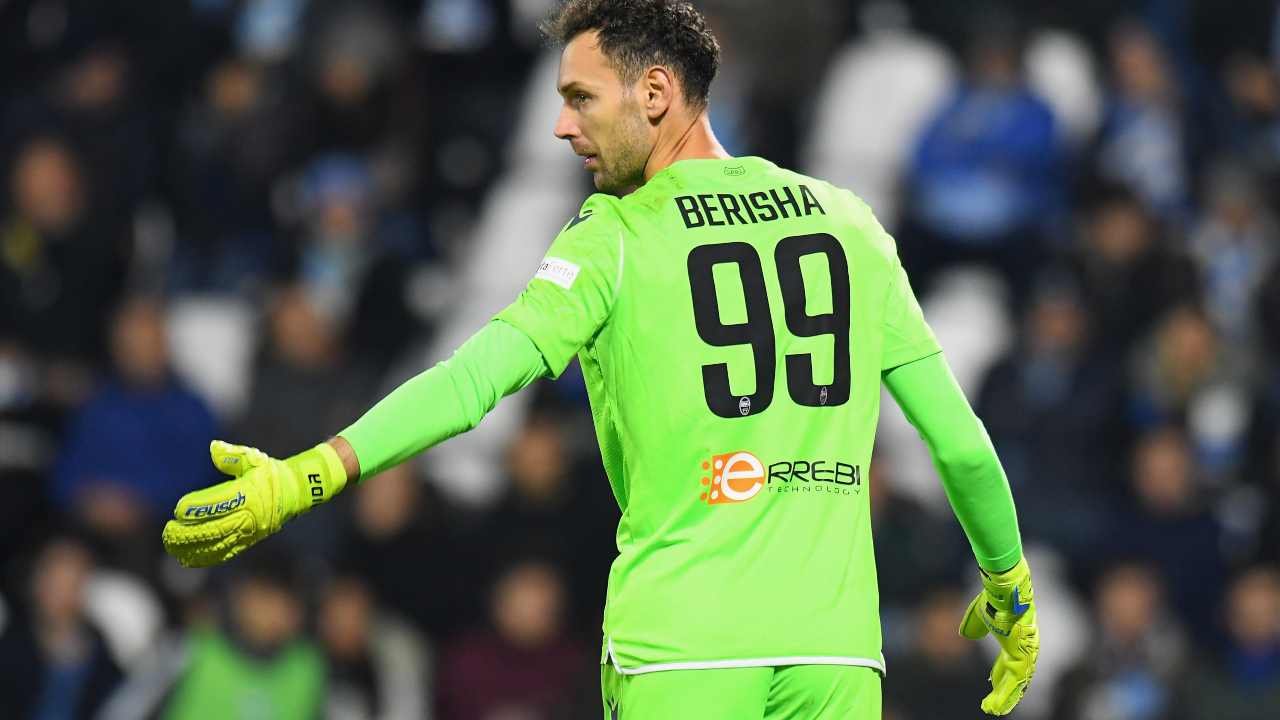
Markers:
(735, 170)
(559, 271)
(734, 477)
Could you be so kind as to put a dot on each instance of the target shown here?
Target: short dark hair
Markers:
(636, 34)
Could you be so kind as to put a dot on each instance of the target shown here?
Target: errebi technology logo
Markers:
(739, 476)
(734, 477)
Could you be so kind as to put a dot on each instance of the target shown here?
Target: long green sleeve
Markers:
(446, 400)
(962, 452)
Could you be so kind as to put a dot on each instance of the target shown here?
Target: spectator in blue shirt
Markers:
(985, 176)
(141, 442)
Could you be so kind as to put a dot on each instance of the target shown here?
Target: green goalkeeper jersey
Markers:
(732, 320)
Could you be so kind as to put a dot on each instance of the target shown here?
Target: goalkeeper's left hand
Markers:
(1006, 608)
(217, 523)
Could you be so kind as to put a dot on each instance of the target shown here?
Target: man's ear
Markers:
(658, 88)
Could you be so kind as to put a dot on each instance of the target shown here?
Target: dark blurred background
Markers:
(248, 219)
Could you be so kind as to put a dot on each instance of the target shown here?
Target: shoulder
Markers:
(599, 213)
(855, 211)
(591, 240)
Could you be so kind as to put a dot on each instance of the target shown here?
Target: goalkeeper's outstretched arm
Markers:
(976, 486)
(214, 524)
(963, 455)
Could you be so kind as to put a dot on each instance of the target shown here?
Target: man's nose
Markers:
(566, 127)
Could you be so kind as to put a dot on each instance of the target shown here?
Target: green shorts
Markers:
(790, 692)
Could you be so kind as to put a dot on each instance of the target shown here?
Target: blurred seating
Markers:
(1060, 69)
(213, 339)
(127, 612)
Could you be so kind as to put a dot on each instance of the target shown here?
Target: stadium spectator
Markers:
(353, 258)
(359, 98)
(944, 671)
(1234, 246)
(1184, 374)
(524, 665)
(239, 138)
(1175, 364)
(338, 241)
(1242, 679)
(394, 520)
(985, 178)
(305, 363)
(60, 269)
(56, 664)
(124, 495)
(1169, 524)
(554, 510)
(92, 97)
(1128, 274)
(1054, 410)
(1142, 143)
(1138, 654)
(377, 665)
(257, 663)
(1253, 86)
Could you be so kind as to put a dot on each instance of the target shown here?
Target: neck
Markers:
(690, 141)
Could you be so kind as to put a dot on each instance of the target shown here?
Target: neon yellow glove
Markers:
(217, 523)
(1006, 608)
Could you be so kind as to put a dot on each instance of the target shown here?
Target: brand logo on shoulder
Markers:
(559, 271)
(212, 509)
(585, 214)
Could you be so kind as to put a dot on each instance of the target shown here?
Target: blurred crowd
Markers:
(248, 219)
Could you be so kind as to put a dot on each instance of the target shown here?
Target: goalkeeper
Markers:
(734, 322)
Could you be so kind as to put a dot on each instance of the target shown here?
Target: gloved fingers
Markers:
(211, 502)
(972, 625)
(189, 537)
(235, 460)
(1008, 685)
(204, 543)
(222, 553)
